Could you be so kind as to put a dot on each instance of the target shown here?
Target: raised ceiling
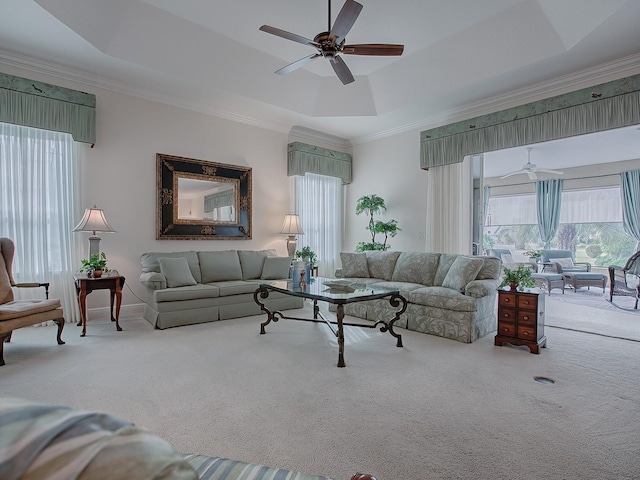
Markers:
(461, 56)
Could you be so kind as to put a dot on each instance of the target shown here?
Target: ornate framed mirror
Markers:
(201, 200)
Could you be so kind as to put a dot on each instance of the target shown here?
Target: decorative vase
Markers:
(97, 273)
(513, 286)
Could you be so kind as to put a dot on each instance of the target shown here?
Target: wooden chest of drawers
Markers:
(521, 319)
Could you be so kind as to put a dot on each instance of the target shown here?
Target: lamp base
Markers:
(292, 245)
(94, 246)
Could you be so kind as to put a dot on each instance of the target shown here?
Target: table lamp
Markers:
(291, 227)
(93, 221)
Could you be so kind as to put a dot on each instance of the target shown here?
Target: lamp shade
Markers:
(93, 221)
(291, 225)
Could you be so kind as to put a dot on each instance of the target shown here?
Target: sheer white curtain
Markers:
(318, 202)
(450, 208)
(39, 201)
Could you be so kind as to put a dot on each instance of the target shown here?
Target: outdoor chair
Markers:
(623, 281)
(15, 314)
(507, 259)
(562, 261)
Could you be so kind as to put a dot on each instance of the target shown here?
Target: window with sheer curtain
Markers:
(319, 205)
(39, 201)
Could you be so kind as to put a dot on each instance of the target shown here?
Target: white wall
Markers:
(119, 176)
(390, 168)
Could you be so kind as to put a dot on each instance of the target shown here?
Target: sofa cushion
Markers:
(444, 264)
(443, 297)
(354, 264)
(275, 268)
(192, 292)
(403, 287)
(236, 287)
(176, 271)
(150, 263)
(381, 264)
(416, 267)
(219, 266)
(252, 262)
(491, 269)
(462, 271)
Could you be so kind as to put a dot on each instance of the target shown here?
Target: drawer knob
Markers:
(525, 317)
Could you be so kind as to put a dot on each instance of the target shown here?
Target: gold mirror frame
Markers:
(169, 226)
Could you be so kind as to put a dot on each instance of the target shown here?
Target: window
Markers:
(590, 226)
(39, 185)
(319, 205)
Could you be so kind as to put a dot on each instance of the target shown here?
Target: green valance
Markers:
(303, 158)
(49, 107)
(216, 200)
(610, 105)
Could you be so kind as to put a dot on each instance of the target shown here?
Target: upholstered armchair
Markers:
(624, 281)
(562, 261)
(15, 314)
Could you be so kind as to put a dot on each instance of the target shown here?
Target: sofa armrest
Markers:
(481, 288)
(153, 280)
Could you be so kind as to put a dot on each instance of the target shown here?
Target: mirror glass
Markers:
(210, 200)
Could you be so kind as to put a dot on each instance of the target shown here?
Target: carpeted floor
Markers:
(435, 409)
(595, 298)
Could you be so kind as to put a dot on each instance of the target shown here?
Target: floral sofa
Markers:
(448, 295)
(41, 441)
(184, 288)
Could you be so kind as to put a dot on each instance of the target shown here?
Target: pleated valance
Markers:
(303, 158)
(610, 105)
(49, 107)
(216, 200)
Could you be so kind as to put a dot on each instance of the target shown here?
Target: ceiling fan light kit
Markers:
(531, 168)
(332, 42)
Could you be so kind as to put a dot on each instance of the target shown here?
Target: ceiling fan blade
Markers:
(554, 172)
(344, 21)
(341, 69)
(382, 49)
(298, 64)
(512, 173)
(289, 36)
(532, 175)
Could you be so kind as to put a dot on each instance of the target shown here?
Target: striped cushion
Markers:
(214, 468)
(37, 440)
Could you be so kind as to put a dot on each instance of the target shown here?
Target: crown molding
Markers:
(602, 73)
(315, 136)
(88, 79)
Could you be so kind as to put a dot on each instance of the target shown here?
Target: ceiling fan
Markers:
(531, 168)
(332, 42)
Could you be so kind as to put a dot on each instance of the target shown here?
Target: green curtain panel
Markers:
(303, 158)
(549, 200)
(40, 105)
(594, 109)
(216, 200)
(630, 190)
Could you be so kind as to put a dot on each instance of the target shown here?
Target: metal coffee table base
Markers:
(396, 300)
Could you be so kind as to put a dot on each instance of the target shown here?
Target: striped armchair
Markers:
(40, 439)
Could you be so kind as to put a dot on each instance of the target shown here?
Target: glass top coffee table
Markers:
(338, 292)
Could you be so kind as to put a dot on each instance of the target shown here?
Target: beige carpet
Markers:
(435, 409)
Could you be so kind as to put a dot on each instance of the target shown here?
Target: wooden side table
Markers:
(521, 319)
(86, 285)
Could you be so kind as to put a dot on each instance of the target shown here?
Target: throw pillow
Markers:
(176, 271)
(563, 262)
(462, 271)
(354, 264)
(252, 262)
(275, 268)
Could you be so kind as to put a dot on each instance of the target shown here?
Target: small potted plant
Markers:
(535, 254)
(307, 255)
(517, 278)
(95, 266)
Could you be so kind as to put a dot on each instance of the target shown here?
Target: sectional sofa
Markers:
(184, 288)
(448, 295)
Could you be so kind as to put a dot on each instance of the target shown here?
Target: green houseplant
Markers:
(517, 278)
(95, 265)
(307, 255)
(374, 205)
